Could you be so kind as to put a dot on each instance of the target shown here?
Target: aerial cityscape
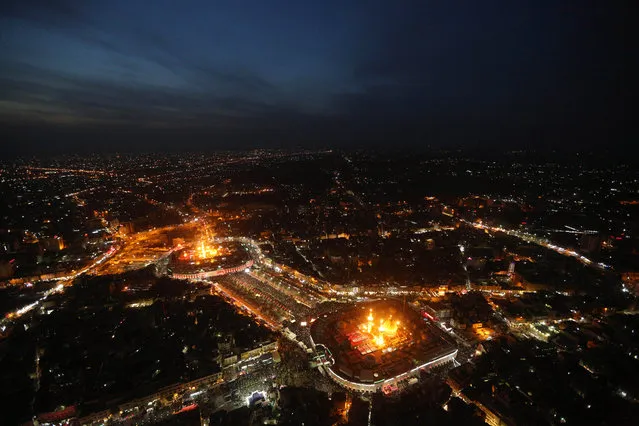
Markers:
(319, 287)
(318, 213)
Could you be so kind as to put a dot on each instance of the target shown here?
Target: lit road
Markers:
(212, 392)
(529, 238)
(64, 281)
(140, 250)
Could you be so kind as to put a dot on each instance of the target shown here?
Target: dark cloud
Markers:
(316, 72)
(51, 97)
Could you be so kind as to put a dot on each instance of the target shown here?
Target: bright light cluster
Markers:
(380, 332)
(203, 249)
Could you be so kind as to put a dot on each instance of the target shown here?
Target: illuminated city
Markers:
(228, 300)
(318, 213)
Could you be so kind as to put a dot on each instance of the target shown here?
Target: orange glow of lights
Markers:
(206, 251)
(387, 328)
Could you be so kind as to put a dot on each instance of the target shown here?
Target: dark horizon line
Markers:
(559, 154)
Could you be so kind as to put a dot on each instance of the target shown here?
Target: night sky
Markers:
(141, 75)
